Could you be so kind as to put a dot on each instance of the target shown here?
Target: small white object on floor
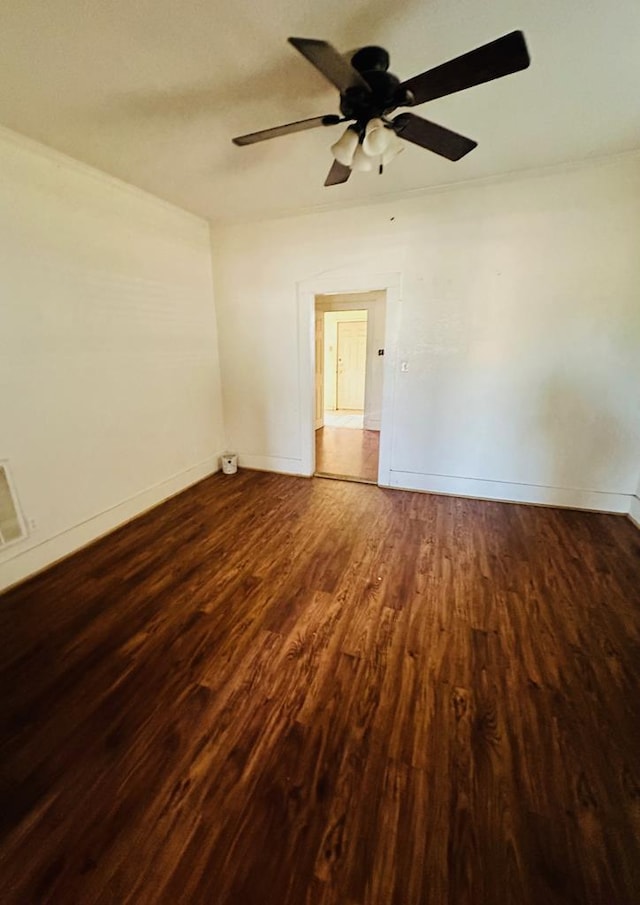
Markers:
(229, 463)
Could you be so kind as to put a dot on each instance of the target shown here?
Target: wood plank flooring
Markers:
(348, 452)
(280, 691)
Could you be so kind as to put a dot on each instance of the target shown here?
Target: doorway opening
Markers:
(349, 349)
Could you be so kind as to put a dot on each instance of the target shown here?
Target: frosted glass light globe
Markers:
(377, 138)
(345, 147)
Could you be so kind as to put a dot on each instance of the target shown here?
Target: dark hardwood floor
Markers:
(348, 452)
(281, 691)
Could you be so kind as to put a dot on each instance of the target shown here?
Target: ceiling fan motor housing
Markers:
(370, 59)
(386, 93)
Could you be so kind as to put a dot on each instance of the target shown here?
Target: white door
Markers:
(352, 365)
(319, 369)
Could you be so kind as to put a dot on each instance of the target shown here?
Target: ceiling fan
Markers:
(369, 93)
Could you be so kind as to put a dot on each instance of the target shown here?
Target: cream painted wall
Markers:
(331, 321)
(519, 324)
(109, 378)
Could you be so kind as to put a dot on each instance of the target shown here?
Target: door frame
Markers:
(344, 283)
(318, 376)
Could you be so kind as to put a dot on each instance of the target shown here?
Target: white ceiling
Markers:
(152, 91)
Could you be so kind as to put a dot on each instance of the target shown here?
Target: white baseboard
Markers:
(277, 464)
(372, 424)
(511, 493)
(28, 560)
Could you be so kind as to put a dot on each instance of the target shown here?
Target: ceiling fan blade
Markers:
(491, 61)
(299, 126)
(331, 64)
(337, 174)
(432, 136)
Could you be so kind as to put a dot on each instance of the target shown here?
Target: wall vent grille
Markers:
(11, 524)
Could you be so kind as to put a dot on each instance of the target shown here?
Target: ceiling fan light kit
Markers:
(369, 93)
(376, 145)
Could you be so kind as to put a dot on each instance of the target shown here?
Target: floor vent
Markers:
(11, 524)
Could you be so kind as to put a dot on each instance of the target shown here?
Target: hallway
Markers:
(347, 452)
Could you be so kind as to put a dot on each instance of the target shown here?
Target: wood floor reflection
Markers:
(348, 453)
